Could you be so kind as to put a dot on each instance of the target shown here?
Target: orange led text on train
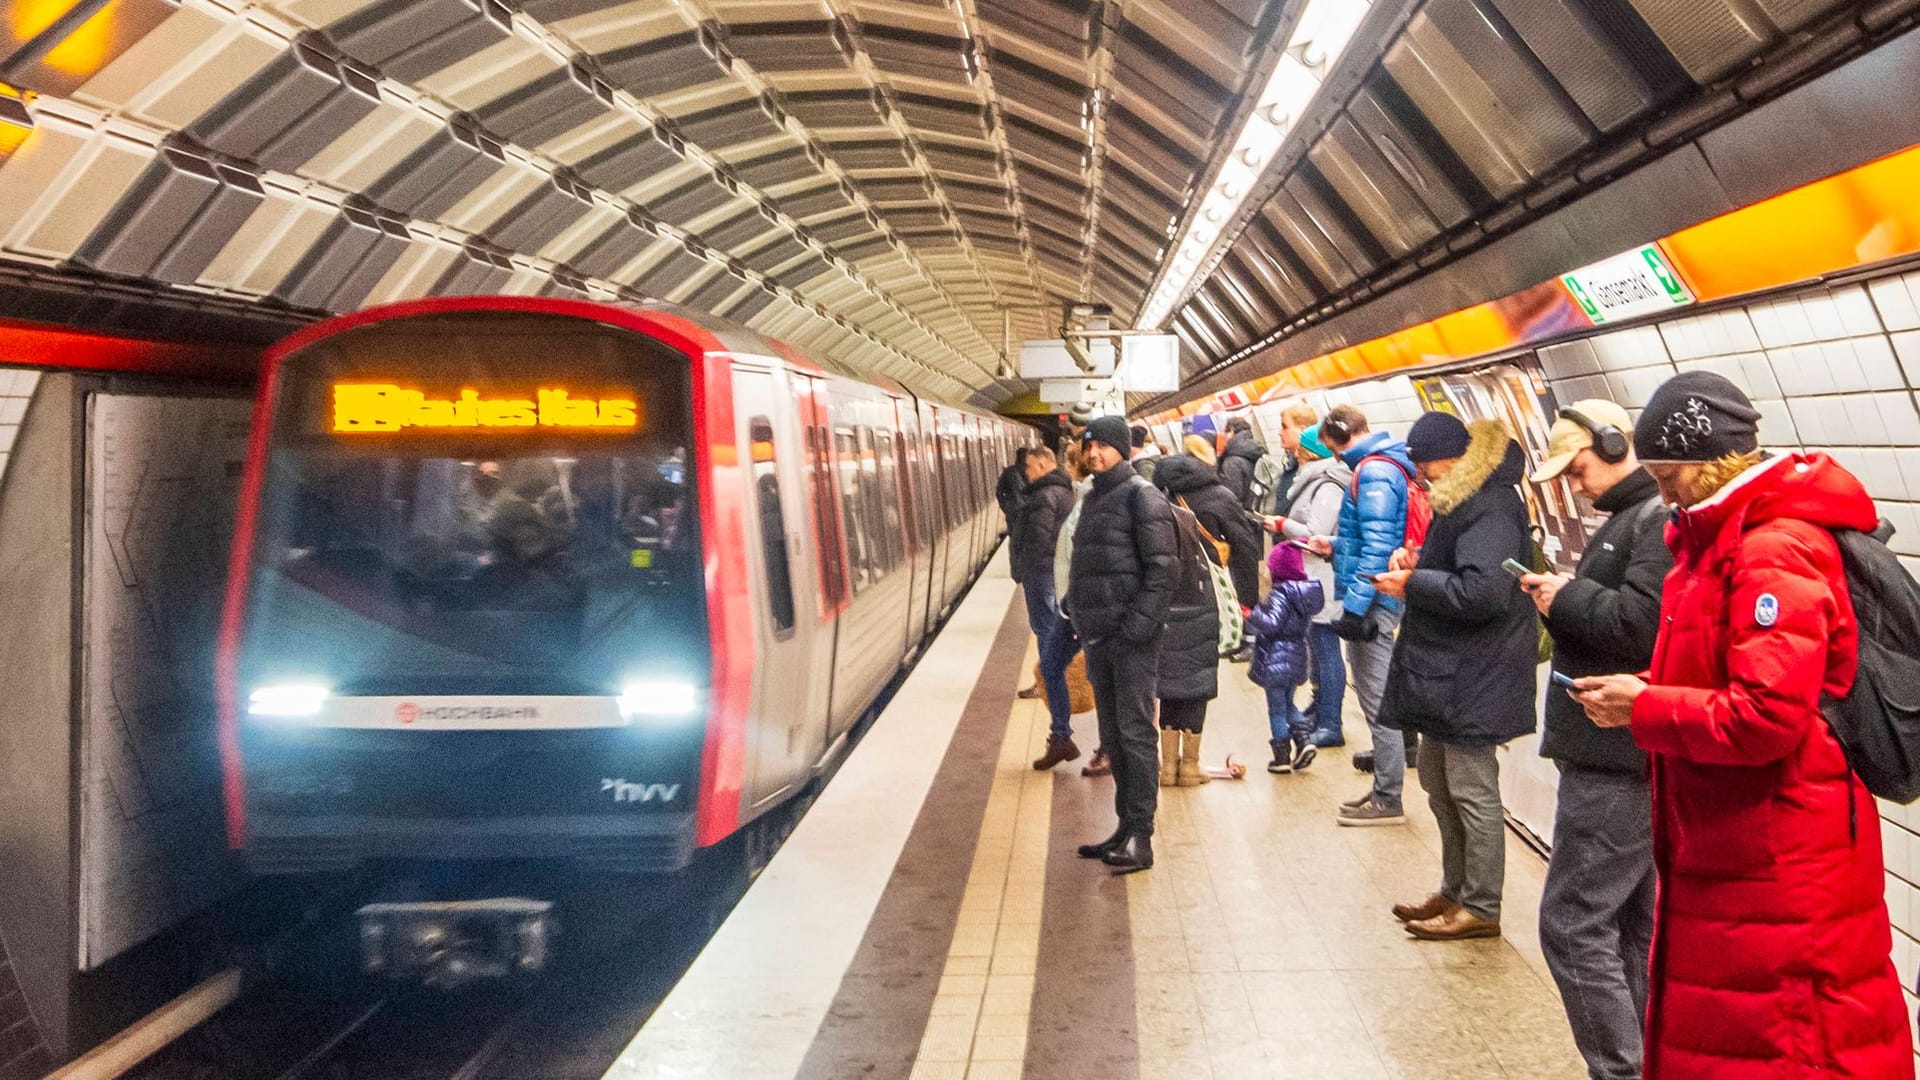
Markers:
(387, 407)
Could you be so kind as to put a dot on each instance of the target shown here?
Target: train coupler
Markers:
(450, 943)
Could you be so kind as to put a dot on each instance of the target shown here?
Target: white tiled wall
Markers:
(1830, 369)
(16, 387)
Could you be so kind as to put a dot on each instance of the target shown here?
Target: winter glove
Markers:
(1353, 627)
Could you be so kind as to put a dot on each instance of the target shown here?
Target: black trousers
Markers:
(1123, 677)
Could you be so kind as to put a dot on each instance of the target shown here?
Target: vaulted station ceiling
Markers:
(904, 185)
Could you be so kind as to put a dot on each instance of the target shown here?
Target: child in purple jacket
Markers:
(1280, 664)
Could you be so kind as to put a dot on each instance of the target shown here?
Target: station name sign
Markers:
(366, 407)
(1637, 282)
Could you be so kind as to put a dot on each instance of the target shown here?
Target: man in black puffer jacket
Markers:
(1044, 505)
(1194, 483)
(1120, 585)
(1596, 914)
(1462, 674)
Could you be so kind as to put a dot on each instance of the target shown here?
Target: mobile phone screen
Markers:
(1516, 568)
(1560, 679)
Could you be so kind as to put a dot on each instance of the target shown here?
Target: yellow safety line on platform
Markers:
(978, 1030)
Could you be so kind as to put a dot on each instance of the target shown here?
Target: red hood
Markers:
(1801, 487)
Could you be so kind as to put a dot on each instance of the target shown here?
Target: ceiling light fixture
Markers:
(1321, 36)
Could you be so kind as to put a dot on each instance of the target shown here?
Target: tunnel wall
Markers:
(115, 508)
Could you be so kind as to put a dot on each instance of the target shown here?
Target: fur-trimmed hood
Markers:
(1492, 457)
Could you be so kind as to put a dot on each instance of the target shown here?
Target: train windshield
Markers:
(459, 533)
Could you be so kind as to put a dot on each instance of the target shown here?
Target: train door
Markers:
(829, 549)
(913, 497)
(933, 456)
(787, 729)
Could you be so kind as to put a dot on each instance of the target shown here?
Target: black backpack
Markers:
(1878, 722)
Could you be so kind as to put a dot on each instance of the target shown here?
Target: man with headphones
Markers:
(1596, 913)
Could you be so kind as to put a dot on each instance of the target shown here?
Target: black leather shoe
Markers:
(1363, 761)
(1134, 853)
(1100, 850)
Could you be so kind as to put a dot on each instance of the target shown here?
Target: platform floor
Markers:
(929, 920)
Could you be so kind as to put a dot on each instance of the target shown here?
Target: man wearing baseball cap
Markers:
(1596, 914)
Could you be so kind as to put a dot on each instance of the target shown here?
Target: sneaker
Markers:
(1361, 801)
(1058, 750)
(1282, 762)
(1372, 813)
(1303, 752)
(1328, 739)
(1363, 761)
(1243, 656)
(1098, 765)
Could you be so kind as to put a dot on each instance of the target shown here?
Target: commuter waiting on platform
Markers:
(1187, 674)
(1008, 489)
(1146, 452)
(1463, 670)
(1241, 458)
(1596, 912)
(1373, 525)
(1771, 938)
(1082, 478)
(1045, 501)
(1279, 625)
(1121, 583)
(1319, 488)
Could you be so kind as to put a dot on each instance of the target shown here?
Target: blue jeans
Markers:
(1329, 675)
(1058, 644)
(1285, 721)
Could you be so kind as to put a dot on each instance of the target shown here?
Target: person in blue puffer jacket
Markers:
(1373, 525)
(1279, 625)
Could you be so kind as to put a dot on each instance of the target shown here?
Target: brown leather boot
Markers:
(1432, 906)
(1058, 750)
(1456, 925)
(1169, 757)
(1098, 765)
(1191, 774)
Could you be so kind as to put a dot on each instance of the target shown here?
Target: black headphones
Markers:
(1610, 444)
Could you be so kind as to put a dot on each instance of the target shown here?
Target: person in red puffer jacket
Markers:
(1771, 940)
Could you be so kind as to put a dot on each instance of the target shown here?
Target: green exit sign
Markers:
(1632, 283)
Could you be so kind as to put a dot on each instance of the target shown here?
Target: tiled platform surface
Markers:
(1259, 946)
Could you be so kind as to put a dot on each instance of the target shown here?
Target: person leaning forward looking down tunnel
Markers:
(1119, 589)
(1771, 940)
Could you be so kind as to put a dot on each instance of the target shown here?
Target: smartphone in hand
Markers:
(1516, 568)
(1563, 681)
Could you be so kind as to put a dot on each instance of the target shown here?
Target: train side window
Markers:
(773, 527)
(893, 525)
(846, 455)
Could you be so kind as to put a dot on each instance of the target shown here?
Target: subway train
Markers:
(518, 578)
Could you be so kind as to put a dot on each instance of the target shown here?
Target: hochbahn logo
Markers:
(408, 712)
(360, 408)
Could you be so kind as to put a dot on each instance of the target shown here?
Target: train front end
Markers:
(467, 621)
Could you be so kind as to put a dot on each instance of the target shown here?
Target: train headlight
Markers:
(292, 699)
(658, 699)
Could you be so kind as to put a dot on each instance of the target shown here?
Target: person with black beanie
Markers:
(1463, 667)
(1119, 587)
(1771, 937)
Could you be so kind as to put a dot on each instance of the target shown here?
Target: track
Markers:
(572, 1022)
